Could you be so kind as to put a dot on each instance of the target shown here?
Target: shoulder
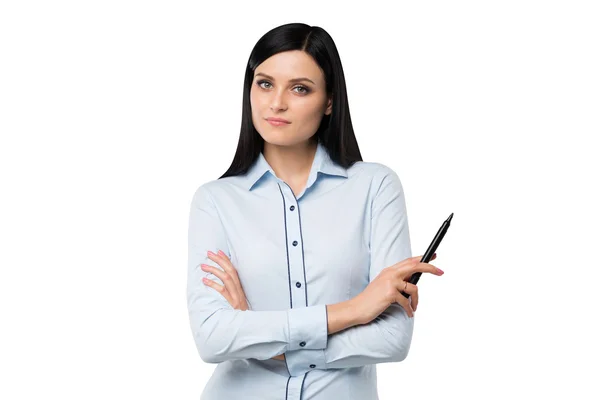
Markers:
(215, 186)
(211, 191)
(378, 172)
(385, 184)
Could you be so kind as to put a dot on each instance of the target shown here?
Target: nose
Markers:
(278, 102)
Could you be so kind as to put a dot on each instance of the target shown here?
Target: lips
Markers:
(277, 123)
(278, 120)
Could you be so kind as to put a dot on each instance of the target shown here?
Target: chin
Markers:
(278, 140)
(275, 137)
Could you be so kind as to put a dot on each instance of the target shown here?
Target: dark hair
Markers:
(335, 131)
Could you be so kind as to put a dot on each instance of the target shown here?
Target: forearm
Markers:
(224, 334)
(340, 316)
(387, 338)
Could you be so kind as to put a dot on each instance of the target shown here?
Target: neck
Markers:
(291, 163)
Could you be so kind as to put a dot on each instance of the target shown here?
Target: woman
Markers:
(298, 254)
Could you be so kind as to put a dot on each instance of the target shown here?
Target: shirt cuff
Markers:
(308, 327)
(299, 362)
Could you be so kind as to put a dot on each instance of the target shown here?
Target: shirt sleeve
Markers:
(388, 337)
(223, 333)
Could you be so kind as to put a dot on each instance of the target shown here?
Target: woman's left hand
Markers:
(232, 291)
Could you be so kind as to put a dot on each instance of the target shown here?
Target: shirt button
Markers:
(298, 284)
(312, 365)
(302, 344)
(295, 243)
(292, 208)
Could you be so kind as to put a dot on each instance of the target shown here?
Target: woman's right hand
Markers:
(385, 289)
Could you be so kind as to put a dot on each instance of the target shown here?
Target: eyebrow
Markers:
(291, 80)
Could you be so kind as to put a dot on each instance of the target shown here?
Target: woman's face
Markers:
(302, 103)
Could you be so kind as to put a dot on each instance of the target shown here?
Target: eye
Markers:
(261, 82)
(305, 89)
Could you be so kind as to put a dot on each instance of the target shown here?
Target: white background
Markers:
(112, 113)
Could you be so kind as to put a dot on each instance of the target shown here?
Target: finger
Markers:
(410, 288)
(220, 289)
(412, 261)
(224, 262)
(414, 299)
(228, 266)
(419, 258)
(229, 283)
(223, 276)
(403, 301)
(425, 267)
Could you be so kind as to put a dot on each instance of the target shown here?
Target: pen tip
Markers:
(450, 217)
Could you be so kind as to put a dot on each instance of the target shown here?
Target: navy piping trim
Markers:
(289, 278)
(286, 364)
(302, 385)
(287, 251)
(303, 266)
(286, 387)
(302, 240)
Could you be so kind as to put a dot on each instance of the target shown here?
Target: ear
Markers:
(329, 106)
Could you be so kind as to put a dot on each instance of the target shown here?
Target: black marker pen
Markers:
(430, 251)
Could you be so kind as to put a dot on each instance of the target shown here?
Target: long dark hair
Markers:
(335, 131)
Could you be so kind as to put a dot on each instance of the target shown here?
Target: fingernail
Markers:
(221, 253)
(441, 272)
(205, 280)
(210, 253)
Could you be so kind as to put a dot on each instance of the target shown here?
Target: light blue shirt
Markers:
(294, 255)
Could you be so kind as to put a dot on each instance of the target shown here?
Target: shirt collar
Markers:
(321, 163)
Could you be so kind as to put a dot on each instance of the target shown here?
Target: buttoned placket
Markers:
(296, 270)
